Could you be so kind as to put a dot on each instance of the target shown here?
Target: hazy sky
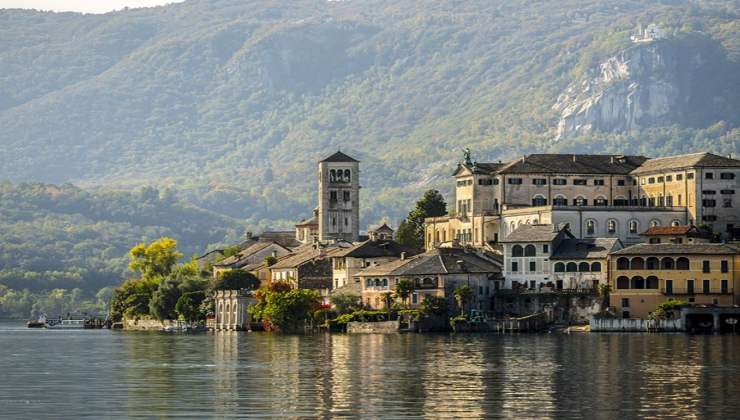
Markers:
(87, 6)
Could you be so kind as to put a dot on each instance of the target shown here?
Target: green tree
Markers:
(235, 279)
(131, 299)
(282, 308)
(404, 288)
(434, 305)
(163, 300)
(411, 231)
(156, 259)
(270, 260)
(345, 303)
(189, 306)
(463, 295)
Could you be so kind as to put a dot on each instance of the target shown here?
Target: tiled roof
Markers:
(374, 249)
(585, 248)
(687, 161)
(384, 227)
(655, 249)
(533, 233)
(676, 230)
(309, 222)
(574, 164)
(436, 261)
(303, 255)
(479, 167)
(339, 157)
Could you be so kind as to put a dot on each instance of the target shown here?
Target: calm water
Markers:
(106, 374)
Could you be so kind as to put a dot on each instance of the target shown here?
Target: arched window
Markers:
(637, 282)
(427, 281)
(682, 263)
(600, 201)
(559, 267)
(580, 201)
(385, 282)
(637, 263)
(560, 201)
(571, 267)
(347, 175)
(623, 263)
(634, 226)
(517, 251)
(675, 223)
(332, 175)
(623, 282)
(512, 227)
(596, 267)
(651, 282)
(667, 263)
(652, 263)
(621, 201)
(590, 227)
(530, 251)
(611, 226)
(654, 223)
(539, 200)
(584, 267)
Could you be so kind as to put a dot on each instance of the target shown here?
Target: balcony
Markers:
(677, 291)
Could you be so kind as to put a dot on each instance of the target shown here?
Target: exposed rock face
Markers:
(650, 84)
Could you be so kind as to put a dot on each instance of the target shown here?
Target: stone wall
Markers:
(145, 324)
(635, 325)
(385, 327)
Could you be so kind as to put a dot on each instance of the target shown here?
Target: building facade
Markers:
(232, 309)
(643, 276)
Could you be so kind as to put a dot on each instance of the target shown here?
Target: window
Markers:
(727, 203)
(515, 181)
(642, 181)
(690, 287)
(682, 263)
(579, 182)
(347, 176)
(580, 201)
(620, 182)
(705, 287)
(559, 267)
(727, 192)
(726, 175)
(633, 226)
(601, 201)
(530, 251)
(532, 266)
(669, 287)
(668, 178)
(669, 201)
(625, 302)
(724, 287)
(709, 218)
(571, 267)
(621, 201)
(590, 227)
(623, 283)
(598, 182)
(709, 203)
(346, 196)
(596, 267)
(724, 266)
(705, 267)
(333, 195)
(346, 221)
(708, 192)
(679, 199)
(584, 267)
(708, 175)
(539, 201)
(679, 177)
(690, 175)
(514, 266)
(651, 202)
(651, 180)
(654, 223)
(661, 179)
(333, 221)
(517, 251)
(539, 181)
(495, 181)
(545, 248)
(559, 181)
(560, 201)
(611, 226)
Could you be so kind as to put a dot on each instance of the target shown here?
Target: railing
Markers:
(571, 291)
(695, 291)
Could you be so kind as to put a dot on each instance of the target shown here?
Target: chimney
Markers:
(403, 255)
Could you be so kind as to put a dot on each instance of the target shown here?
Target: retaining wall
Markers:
(384, 327)
(635, 325)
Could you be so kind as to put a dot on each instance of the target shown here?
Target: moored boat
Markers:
(66, 324)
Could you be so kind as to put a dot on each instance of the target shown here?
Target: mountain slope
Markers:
(234, 101)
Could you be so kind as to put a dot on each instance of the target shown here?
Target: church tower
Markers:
(339, 198)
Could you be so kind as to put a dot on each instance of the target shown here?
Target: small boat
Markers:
(39, 322)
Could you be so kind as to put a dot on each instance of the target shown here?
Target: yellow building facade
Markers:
(645, 275)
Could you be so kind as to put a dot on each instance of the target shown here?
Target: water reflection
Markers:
(114, 374)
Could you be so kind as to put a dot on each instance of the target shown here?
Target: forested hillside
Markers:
(234, 101)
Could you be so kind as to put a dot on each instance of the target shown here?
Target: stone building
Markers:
(597, 195)
(232, 309)
(381, 233)
(339, 198)
(307, 230)
(251, 257)
(676, 235)
(347, 262)
(434, 273)
(645, 275)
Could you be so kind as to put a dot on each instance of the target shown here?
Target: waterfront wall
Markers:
(635, 325)
(145, 324)
(385, 327)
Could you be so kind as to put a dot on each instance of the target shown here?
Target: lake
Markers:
(114, 374)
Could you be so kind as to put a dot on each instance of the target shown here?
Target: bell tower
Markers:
(339, 198)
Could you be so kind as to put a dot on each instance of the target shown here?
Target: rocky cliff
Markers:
(684, 80)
